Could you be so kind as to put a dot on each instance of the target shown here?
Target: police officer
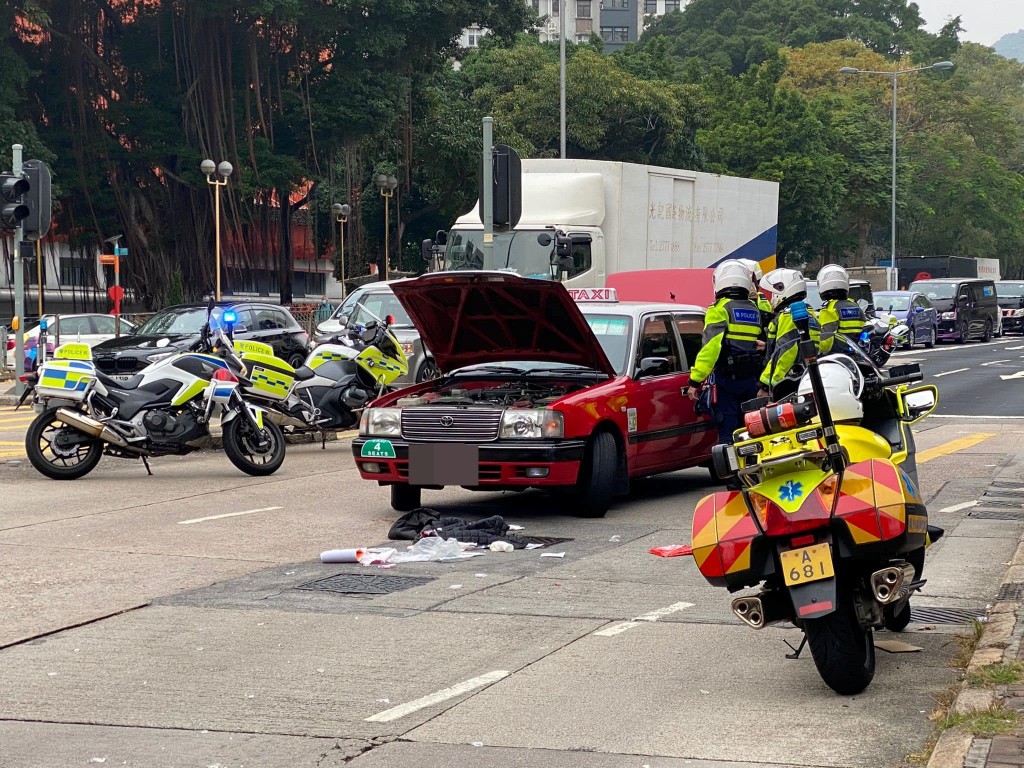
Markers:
(840, 313)
(730, 347)
(755, 295)
(779, 377)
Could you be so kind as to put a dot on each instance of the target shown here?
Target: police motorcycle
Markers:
(164, 410)
(830, 522)
(339, 378)
(881, 336)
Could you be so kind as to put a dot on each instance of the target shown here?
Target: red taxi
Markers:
(540, 390)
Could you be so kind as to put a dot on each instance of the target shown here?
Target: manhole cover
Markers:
(1012, 590)
(364, 584)
(945, 615)
(995, 514)
(545, 541)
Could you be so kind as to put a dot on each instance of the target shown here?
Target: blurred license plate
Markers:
(800, 566)
(123, 376)
(444, 464)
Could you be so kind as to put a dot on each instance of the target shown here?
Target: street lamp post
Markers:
(223, 170)
(341, 214)
(387, 185)
(939, 65)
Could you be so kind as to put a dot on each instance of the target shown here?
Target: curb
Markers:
(999, 643)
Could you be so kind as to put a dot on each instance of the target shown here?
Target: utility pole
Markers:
(487, 199)
(561, 75)
(19, 286)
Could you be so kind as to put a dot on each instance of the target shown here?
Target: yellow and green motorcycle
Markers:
(829, 519)
(338, 379)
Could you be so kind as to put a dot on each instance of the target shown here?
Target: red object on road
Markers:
(673, 550)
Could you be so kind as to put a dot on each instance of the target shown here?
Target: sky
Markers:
(984, 21)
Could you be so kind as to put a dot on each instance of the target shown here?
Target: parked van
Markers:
(968, 307)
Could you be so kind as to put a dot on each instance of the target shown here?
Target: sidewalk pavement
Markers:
(1000, 643)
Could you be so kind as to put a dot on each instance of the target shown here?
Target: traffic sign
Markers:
(120, 251)
(108, 258)
(115, 292)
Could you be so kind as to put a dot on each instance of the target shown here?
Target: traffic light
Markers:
(12, 199)
(37, 223)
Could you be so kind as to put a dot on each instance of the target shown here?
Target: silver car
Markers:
(378, 299)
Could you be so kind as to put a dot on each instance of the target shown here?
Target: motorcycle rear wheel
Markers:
(843, 651)
(240, 445)
(42, 444)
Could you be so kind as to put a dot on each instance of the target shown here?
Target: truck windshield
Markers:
(518, 250)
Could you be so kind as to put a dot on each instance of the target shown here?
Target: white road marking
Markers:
(995, 362)
(969, 416)
(618, 629)
(436, 698)
(228, 514)
(1011, 349)
(959, 507)
(947, 373)
(1017, 375)
(662, 612)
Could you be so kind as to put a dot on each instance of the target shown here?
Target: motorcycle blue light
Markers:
(798, 310)
(230, 317)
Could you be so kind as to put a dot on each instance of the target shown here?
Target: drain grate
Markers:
(364, 584)
(1007, 484)
(1011, 590)
(545, 541)
(945, 615)
(995, 514)
(1001, 501)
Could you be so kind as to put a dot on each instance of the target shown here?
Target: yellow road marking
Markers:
(27, 418)
(12, 442)
(953, 446)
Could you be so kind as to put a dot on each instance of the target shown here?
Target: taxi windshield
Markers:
(613, 333)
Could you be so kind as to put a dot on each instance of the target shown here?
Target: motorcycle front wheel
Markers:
(843, 651)
(58, 451)
(242, 444)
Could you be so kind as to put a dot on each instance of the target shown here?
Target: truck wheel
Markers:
(843, 651)
(597, 477)
(405, 498)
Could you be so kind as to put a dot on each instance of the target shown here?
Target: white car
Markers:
(89, 329)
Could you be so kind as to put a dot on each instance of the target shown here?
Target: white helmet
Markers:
(832, 277)
(784, 284)
(755, 269)
(732, 274)
(844, 384)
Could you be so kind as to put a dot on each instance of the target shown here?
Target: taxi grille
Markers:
(455, 425)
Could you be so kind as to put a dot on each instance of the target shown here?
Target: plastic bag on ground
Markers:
(673, 550)
(432, 548)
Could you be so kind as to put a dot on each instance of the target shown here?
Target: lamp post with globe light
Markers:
(341, 213)
(223, 170)
(939, 65)
(386, 185)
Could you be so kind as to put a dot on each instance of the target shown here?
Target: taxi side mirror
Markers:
(653, 366)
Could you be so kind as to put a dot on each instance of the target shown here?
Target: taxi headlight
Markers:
(531, 424)
(381, 422)
(949, 315)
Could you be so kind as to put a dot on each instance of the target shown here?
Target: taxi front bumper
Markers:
(502, 464)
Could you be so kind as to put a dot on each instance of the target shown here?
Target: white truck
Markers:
(622, 217)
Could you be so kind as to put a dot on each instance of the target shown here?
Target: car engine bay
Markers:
(509, 394)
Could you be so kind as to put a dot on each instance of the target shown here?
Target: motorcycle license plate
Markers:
(807, 564)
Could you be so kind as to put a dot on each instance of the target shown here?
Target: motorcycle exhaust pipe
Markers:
(892, 583)
(91, 427)
(758, 611)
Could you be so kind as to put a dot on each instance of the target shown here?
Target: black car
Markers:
(175, 329)
(1010, 294)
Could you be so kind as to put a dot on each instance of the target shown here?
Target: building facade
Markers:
(617, 21)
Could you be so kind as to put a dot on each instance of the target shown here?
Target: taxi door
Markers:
(664, 414)
(703, 434)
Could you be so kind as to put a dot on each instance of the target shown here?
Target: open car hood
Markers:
(469, 318)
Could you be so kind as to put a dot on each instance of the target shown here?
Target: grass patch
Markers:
(994, 721)
(998, 674)
(966, 645)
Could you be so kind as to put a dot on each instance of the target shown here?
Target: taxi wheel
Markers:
(597, 477)
(405, 498)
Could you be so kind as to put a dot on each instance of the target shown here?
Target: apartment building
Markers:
(617, 21)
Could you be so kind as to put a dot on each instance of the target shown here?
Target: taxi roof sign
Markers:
(607, 295)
